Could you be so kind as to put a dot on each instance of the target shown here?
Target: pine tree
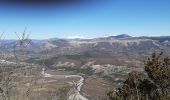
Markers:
(155, 86)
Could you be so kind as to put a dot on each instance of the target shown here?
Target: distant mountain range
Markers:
(117, 43)
(105, 50)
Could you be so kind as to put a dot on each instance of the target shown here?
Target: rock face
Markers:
(121, 43)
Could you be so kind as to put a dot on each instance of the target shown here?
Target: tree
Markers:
(155, 86)
(129, 90)
(7, 71)
(158, 71)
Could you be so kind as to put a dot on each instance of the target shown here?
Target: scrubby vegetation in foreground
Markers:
(153, 84)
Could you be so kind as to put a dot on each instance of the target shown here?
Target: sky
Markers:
(45, 19)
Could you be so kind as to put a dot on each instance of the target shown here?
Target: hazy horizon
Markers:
(3, 36)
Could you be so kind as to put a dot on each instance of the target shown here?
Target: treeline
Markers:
(153, 84)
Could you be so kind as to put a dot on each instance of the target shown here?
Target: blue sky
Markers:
(88, 20)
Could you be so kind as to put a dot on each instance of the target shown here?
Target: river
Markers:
(74, 93)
